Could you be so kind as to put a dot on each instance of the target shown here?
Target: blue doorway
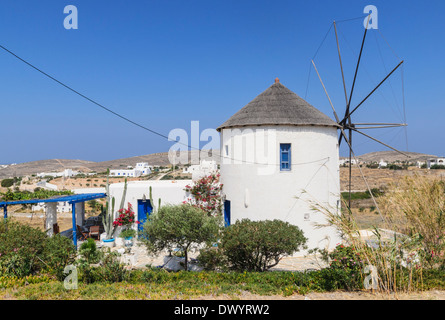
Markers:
(144, 210)
(227, 213)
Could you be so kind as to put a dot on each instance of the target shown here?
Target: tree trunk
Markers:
(186, 258)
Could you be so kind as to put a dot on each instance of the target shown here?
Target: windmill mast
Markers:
(346, 123)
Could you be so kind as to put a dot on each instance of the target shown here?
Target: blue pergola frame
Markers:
(71, 199)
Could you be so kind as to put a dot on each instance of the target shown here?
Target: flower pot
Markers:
(109, 243)
(128, 242)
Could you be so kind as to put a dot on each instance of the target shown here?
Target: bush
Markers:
(108, 269)
(25, 251)
(260, 245)
(6, 183)
(346, 268)
(212, 258)
(21, 249)
(88, 251)
(112, 270)
(58, 252)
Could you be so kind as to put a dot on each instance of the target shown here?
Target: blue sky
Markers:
(166, 63)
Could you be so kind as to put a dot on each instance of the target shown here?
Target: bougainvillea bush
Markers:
(126, 217)
(206, 194)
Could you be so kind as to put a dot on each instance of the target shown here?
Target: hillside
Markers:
(34, 167)
(56, 165)
(393, 156)
(160, 159)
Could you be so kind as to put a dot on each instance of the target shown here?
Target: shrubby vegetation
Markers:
(411, 242)
(437, 166)
(38, 193)
(26, 251)
(363, 195)
(259, 245)
(237, 257)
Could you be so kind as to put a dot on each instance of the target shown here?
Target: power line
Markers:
(133, 122)
(82, 95)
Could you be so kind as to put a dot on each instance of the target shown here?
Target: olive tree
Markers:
(180, 226)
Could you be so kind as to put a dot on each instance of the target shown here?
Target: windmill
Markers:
(346, 125)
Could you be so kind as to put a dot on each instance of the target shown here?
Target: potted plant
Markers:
(125, 220)
(127, 235)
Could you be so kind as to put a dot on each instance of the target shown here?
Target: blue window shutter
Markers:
(285, 157)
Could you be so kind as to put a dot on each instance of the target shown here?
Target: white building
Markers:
(62, 207)
(383, 164)
(279, 156)
(205, 167)
(138, 195)
(46, 185)
(435, 161)
(142, 168)
(345, 161)
(65, 173)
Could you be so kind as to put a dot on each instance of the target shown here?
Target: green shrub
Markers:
(25, 251)
(112, 270)
(260, 245)
(21, 249)
(212, 258)
(345, 268)
(108, 270)
(434, 166)
(58, 252)
(88, 251)
(6, 183)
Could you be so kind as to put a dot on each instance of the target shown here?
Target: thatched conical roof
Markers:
(278, 106)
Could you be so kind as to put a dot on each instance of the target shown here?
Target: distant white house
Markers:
(205, 167)
(383, 164)
(435, 161)
(65, 173)
(62, 207)
(141, 169)
(46, 185)
(419, 164)
(345, 161)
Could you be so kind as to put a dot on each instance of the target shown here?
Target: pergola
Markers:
(77, 202)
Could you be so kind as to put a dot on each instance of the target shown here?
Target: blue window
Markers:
(285, 157)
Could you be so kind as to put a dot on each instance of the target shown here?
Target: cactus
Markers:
(124, 194)
(108, 217)
(152, 202)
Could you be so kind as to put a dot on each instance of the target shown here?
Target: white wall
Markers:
(169, 192)
(432, 162)
(263, 192)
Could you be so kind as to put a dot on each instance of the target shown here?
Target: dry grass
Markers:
(410, 238)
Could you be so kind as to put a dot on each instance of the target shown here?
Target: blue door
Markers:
(144, 210)
(227, 213)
